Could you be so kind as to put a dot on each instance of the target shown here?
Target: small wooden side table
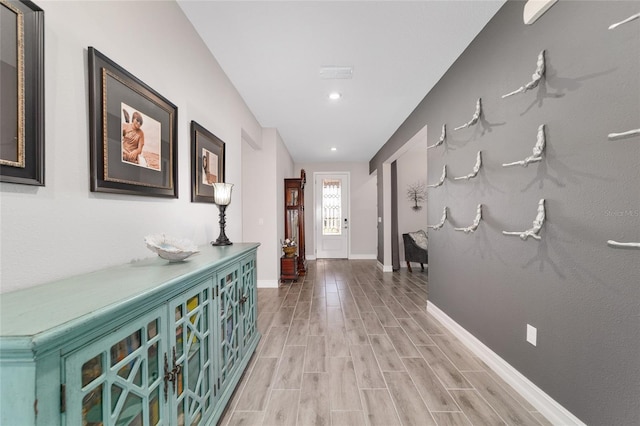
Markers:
(288, 268)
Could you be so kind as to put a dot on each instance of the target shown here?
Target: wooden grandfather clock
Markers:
(294, 216)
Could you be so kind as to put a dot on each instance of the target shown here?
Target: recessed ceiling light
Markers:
(334, 96)
(333, 148)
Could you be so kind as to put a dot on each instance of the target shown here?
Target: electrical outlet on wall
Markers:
(532, 335)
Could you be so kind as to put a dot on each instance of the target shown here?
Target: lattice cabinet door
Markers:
(227, 296)
(190, 342)
(118, 380)
(248, 301)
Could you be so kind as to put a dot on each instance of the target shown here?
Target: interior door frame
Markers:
(316, 191)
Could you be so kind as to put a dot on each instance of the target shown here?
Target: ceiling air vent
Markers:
(332, 73)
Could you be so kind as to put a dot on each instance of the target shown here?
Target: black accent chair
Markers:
(413, 252)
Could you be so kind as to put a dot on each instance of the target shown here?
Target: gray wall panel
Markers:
(583, 296)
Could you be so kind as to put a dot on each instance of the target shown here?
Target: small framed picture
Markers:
(22, 89)
(133, 133)
(207, 163)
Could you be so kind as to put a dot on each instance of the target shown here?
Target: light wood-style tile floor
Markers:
(350, 345)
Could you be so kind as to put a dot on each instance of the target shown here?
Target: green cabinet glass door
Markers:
(190, 342)
(118, 380)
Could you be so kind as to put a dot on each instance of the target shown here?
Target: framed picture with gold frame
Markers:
(207, 163)
(133, 130)
(22, 88)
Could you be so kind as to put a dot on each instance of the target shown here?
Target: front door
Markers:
(332, 215)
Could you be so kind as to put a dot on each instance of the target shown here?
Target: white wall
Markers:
(412, 169)
(63, 229)
(264, 170)
(363, 207)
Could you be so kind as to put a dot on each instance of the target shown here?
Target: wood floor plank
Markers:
(274, 342)
(378, 408)
(368, 373)
(280, 410)
(347, 418)
(459, 355)
(386, 316)
(448, 374)
(302, 310)
(451, 419)
(404, 346)
(502, 402)
(316, 355)
(314, 406)
(283, 316)
(298, 333)
(409, 405)
(433, 393)
(337, 343)
(255, 393)
(476, 408)
(429, 325)
(415, 332)
(343, 384)
(385, 353)
(372, 324)
(289, 374)
(245, 418)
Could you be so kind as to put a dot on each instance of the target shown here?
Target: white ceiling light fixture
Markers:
(334, 96)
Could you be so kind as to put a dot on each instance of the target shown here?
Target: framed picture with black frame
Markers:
(22, 88)
(207, 163)
(133, 133)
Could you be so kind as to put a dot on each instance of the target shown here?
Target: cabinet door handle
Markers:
(243, 299)
(168, 376)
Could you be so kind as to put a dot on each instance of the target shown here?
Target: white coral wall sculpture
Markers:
(535, 78)
(538, 150)
(476, 168)
(443, 136)
(442, 220)
(442, 178)
(476, 116)
(476, 222)
(537, 225)
(633, 132)
(613, 243)
(629, 19)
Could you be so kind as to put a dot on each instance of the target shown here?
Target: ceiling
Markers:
(272, 51)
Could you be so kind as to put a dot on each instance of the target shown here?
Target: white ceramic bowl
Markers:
(171, 249)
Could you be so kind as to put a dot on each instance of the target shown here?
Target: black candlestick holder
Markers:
(222, 240)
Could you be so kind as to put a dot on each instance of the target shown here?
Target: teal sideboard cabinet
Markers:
(146, 343)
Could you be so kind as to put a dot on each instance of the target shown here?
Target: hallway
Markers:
(349, 345)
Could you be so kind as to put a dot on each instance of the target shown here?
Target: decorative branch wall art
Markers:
(443, 136)
(623, 245)
(442, 220)
(624, 134)
(629, 19)
(416, 193)
(476, 116)
(538, 149)
(442, 178)
(476, 222)
(535, 78)
(537, 225)
(476, 168)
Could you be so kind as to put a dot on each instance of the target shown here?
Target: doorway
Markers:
(331, 215)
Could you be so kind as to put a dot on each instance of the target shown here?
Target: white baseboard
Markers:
(267, 284)
(362, 257)
(384, 268)
(547, 406)
(310, 257)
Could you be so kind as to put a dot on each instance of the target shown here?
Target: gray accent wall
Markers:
(582, 295)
